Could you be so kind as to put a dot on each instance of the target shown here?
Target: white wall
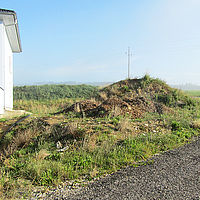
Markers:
(8, 87)
(6, 72)
(2, 73)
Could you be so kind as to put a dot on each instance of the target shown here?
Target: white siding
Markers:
(8, 74)
(2, 73)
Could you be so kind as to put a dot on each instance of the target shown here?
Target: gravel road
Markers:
(173, 175)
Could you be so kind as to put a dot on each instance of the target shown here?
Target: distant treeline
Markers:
(42, 92)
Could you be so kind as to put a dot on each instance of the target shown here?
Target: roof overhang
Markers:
(9, 19)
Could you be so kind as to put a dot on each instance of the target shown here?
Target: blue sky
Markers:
(86, 40)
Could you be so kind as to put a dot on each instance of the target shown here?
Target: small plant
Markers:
(126, 88)
(43, 153)
(3, 119)
(124, 126)
(145, 81)
(196, 123)
(175, 126)
(116, 111)
(103, 96)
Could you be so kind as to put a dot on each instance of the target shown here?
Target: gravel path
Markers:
(172, 175)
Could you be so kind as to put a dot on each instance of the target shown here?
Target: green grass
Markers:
(82, 163)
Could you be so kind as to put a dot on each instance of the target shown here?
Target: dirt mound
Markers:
(132, 97)
(80, 107)
(113, 106)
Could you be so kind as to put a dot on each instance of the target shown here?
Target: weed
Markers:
(92, 141)
(124, 126)
(145, 81)
(103, 96)
(196, 123)
(175, 126)
(3, 120)
(43, 153)
(116, 111)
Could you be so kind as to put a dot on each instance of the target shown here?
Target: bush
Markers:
(175, 126)
(43, 92)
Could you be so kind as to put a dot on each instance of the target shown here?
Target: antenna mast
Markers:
(129, 54)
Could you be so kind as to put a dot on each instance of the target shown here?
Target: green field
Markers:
(50, 92)
(193, 93)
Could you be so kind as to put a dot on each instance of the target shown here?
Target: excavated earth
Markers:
(130, 97)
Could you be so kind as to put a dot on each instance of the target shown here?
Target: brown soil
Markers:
(132, 97)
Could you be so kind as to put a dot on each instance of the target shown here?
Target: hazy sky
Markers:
(86, 40)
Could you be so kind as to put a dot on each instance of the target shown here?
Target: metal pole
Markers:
(129, 62)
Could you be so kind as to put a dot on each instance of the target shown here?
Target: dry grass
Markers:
(94, 172)
(103, 96)
(196, 123)
(23, 138)
(42, 107)
(72, 128)
(116, 111)
(124, 125)
(114, 90)
(93, 99)
(42, 154)
(126, 128)
(91, 144)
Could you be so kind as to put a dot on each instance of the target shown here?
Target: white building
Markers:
(9, 44)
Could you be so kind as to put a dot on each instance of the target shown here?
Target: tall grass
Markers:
(43, 107)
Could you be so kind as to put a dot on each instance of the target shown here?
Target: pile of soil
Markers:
(134, 97)
(81, 107)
